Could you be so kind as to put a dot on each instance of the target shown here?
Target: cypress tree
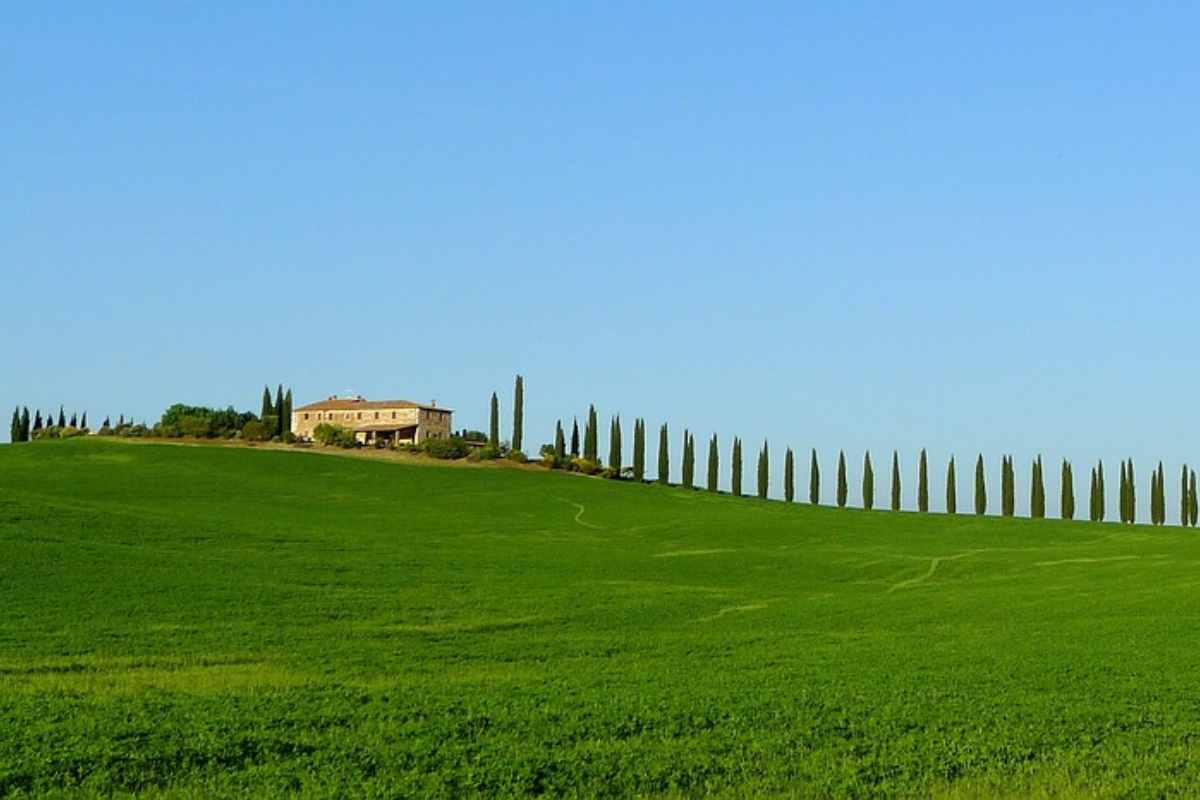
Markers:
(689, 461)
(639, 450)
(494, 423)
(1008, 495)
(922, 484)
(267, 408)
(1122, 503)
(1067, 492)
(842, 487)
(664, 457)
(560, 442)
(518, 437)
(1153, 497)
(1185, 515)
(895, 481)
(789, 476)
(62, 419)
(279, 411)
(287, 411)
(1037, 507)
(614, 446)
(1133, 493)
(951, 488)
(83, 421)
(763, 468)
(74, 423)
(868, 483)
(735, 482)
(591, 437)
(980, 488)
(1193, 500)
(37, 421)
(713, 465)
(1093, 506)
(25, 424)
(14, 432)
(575, 437)
(1100, 502)
(814, 480)
(1161, 500)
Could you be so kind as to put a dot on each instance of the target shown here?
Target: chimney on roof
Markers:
(433, 403)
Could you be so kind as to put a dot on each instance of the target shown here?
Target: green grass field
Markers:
(202, 621)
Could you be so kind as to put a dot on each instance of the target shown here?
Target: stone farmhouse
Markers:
(383, 422)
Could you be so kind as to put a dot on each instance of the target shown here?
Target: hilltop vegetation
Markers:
(216, 622)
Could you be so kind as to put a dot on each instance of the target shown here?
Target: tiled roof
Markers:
(348, 404)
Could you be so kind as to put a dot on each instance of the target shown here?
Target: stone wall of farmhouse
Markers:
(429, 422)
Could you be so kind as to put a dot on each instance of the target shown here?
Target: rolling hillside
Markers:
(192, 621)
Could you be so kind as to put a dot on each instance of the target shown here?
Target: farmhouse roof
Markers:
(360, 404)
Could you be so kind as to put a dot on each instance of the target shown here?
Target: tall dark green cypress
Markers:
(868, 483)
(922, 483)
(37, 421)
(1093, 498)
(713, 463)
(1100, 501)
(735, 472)
(1123, 496)
(1194, 500)
(1132, 490)
(842, 486)
(1160, 498)
(814, 480)
(1037, 495)
(25, 424)
(1153, 497)
(287, 411)
(614, 446)
(1067, 491)
(560, 442)
(62, 418)
(895, 480)
(763, 468)
(575, 437)
(591, 437)
(14, 432)
(494, 423)
(639, 450)
(268, 409)
(74, 421)
(1185, 515)
(279, 411)
(518, 437)
(1008, 493)
(664, 456)
(689, 462)
(980, 487)
(789, 476)
(951, 488)
(83, 421)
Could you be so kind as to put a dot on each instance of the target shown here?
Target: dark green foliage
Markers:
(664, 456)
(688, 468)
(74, 421)
(1194, 500)
(1008, 487)
(591, 436)
(14, 431)
(62, 419)
(1093, 497)
(814, 480)
(1158, 500)
(83, 421)
(951, 488)
(614, 446)
(202, 422)
(789, 476)
(326, 433)
(868, 483)
(518, 435)
(1067, 492)
(980, 488)
(560, 442)
(37, 421)
(286, 414)
(843, 487)
(713, 464)
(268, 408)
(1100, 501)
(1123, 495)
(895, 481)
(735, 476)
(922, 483)
(448, 448)
(279, 411)
(1131, 492)
(1185, 515)
(763, 469)
(639, 450)
(575, 438)
(494, 423)
(1037, 491)
(25, 423)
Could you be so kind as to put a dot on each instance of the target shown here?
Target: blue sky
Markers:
(963, 227)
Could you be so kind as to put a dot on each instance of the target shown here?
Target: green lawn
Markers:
(192, 621)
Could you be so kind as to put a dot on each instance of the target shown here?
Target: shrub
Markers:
(517, 456)
(289, 437)
(584, 465)
(255, 431)
(489, 453)
(452, 447)
(334, 435)
(70, 433)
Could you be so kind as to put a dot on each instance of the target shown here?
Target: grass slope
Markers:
(188, 621)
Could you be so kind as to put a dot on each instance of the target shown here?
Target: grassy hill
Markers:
(192, 621)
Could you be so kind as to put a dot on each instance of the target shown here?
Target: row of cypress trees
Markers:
(277, 414)
(23, 427)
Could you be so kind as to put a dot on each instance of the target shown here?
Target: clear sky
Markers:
(942, 225)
